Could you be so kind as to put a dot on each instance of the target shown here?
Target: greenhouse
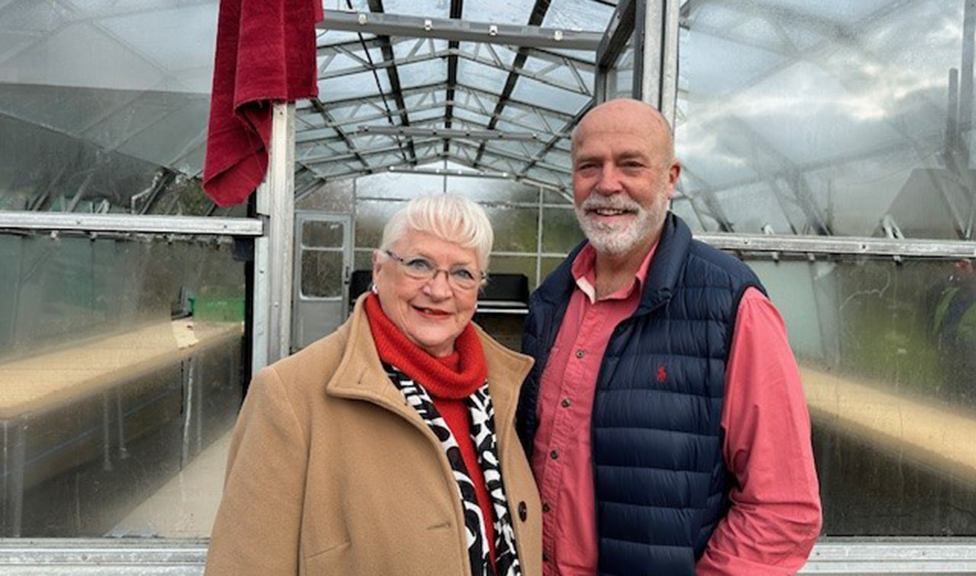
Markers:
(828, 144)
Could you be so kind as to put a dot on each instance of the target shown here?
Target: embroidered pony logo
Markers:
(662, 374)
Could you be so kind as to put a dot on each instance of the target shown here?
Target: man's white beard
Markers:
(621, 238)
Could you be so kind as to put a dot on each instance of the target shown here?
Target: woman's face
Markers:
(431, 313)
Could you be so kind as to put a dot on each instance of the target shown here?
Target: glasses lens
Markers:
(464, 279)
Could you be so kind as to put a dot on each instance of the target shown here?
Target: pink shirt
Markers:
(775, 515)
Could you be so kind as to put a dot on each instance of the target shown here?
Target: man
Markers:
(664, 418)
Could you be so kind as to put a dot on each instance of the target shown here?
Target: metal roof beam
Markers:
(348, 46)
(394, 78)
(362, 152)
(457, 9)
(449, 133)
(447, 29)
(436, 86)
(453, 54)
(536, 18)
(317, 105)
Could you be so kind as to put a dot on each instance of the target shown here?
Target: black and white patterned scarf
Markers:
(483, 435)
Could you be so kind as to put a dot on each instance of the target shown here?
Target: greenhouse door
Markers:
(323, 258)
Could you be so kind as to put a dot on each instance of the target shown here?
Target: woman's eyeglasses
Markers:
(419, 268)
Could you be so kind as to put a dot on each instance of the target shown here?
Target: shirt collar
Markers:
(584, 272)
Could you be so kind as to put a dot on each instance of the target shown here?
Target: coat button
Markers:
(580, 353)
(523, 511)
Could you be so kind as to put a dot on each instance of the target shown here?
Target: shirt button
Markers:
(554, 454)
(566, 402)
(580, 353)
(545, 507)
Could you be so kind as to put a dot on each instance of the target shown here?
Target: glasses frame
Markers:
(479, 282)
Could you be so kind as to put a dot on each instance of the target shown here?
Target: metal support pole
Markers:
(106, 433)
(669, 62)
(273, 252)
(656, 55)
(648, 51)
(120, 412)
(186, 367)
(197, 367)
(14, 456)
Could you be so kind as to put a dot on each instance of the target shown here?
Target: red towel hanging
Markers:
(265, 54)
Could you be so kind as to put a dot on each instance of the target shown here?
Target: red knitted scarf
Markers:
(435, 374)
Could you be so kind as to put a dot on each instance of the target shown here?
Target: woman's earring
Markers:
(374, 289)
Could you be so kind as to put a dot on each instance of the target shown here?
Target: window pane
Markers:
(839, 111)
(492, 190)
(371, 217)
(515, 228)
(398, 186)
(120, 377)
(886, 352)
(560, 230)
(323, 234)
(322, 274)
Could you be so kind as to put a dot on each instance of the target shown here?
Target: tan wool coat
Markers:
(331, 472)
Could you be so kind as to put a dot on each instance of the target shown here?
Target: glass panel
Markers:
(120, 372)
(515, 228)
(363, 259)
(886, 352)
(422, 73)
(492, 190)
(578, 15)
(471, 117)
(505, 54)
(554, 197)
(620, 81)
(352, 86)
(530, 91)
(480, 76)
(322, 274)
(371, 217)
(497, 11)
(330, 197)
(562, 75)
(322, 234)
(424, 8)
(402, 47)
(560, 230)
(851, 128)
(397, 186)
(180, 38)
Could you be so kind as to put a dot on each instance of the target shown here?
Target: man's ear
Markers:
(674, 173)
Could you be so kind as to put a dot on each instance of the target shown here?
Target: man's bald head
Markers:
(626, 115)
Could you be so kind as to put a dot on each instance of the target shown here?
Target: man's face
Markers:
(623, 176)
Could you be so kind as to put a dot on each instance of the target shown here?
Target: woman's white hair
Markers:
(449, 217)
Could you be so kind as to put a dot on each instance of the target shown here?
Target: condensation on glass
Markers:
(123, 132)
(840, 118)
(887, 352)
(120, 372)
(826, 118)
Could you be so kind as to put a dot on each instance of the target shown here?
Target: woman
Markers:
(389, 447)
